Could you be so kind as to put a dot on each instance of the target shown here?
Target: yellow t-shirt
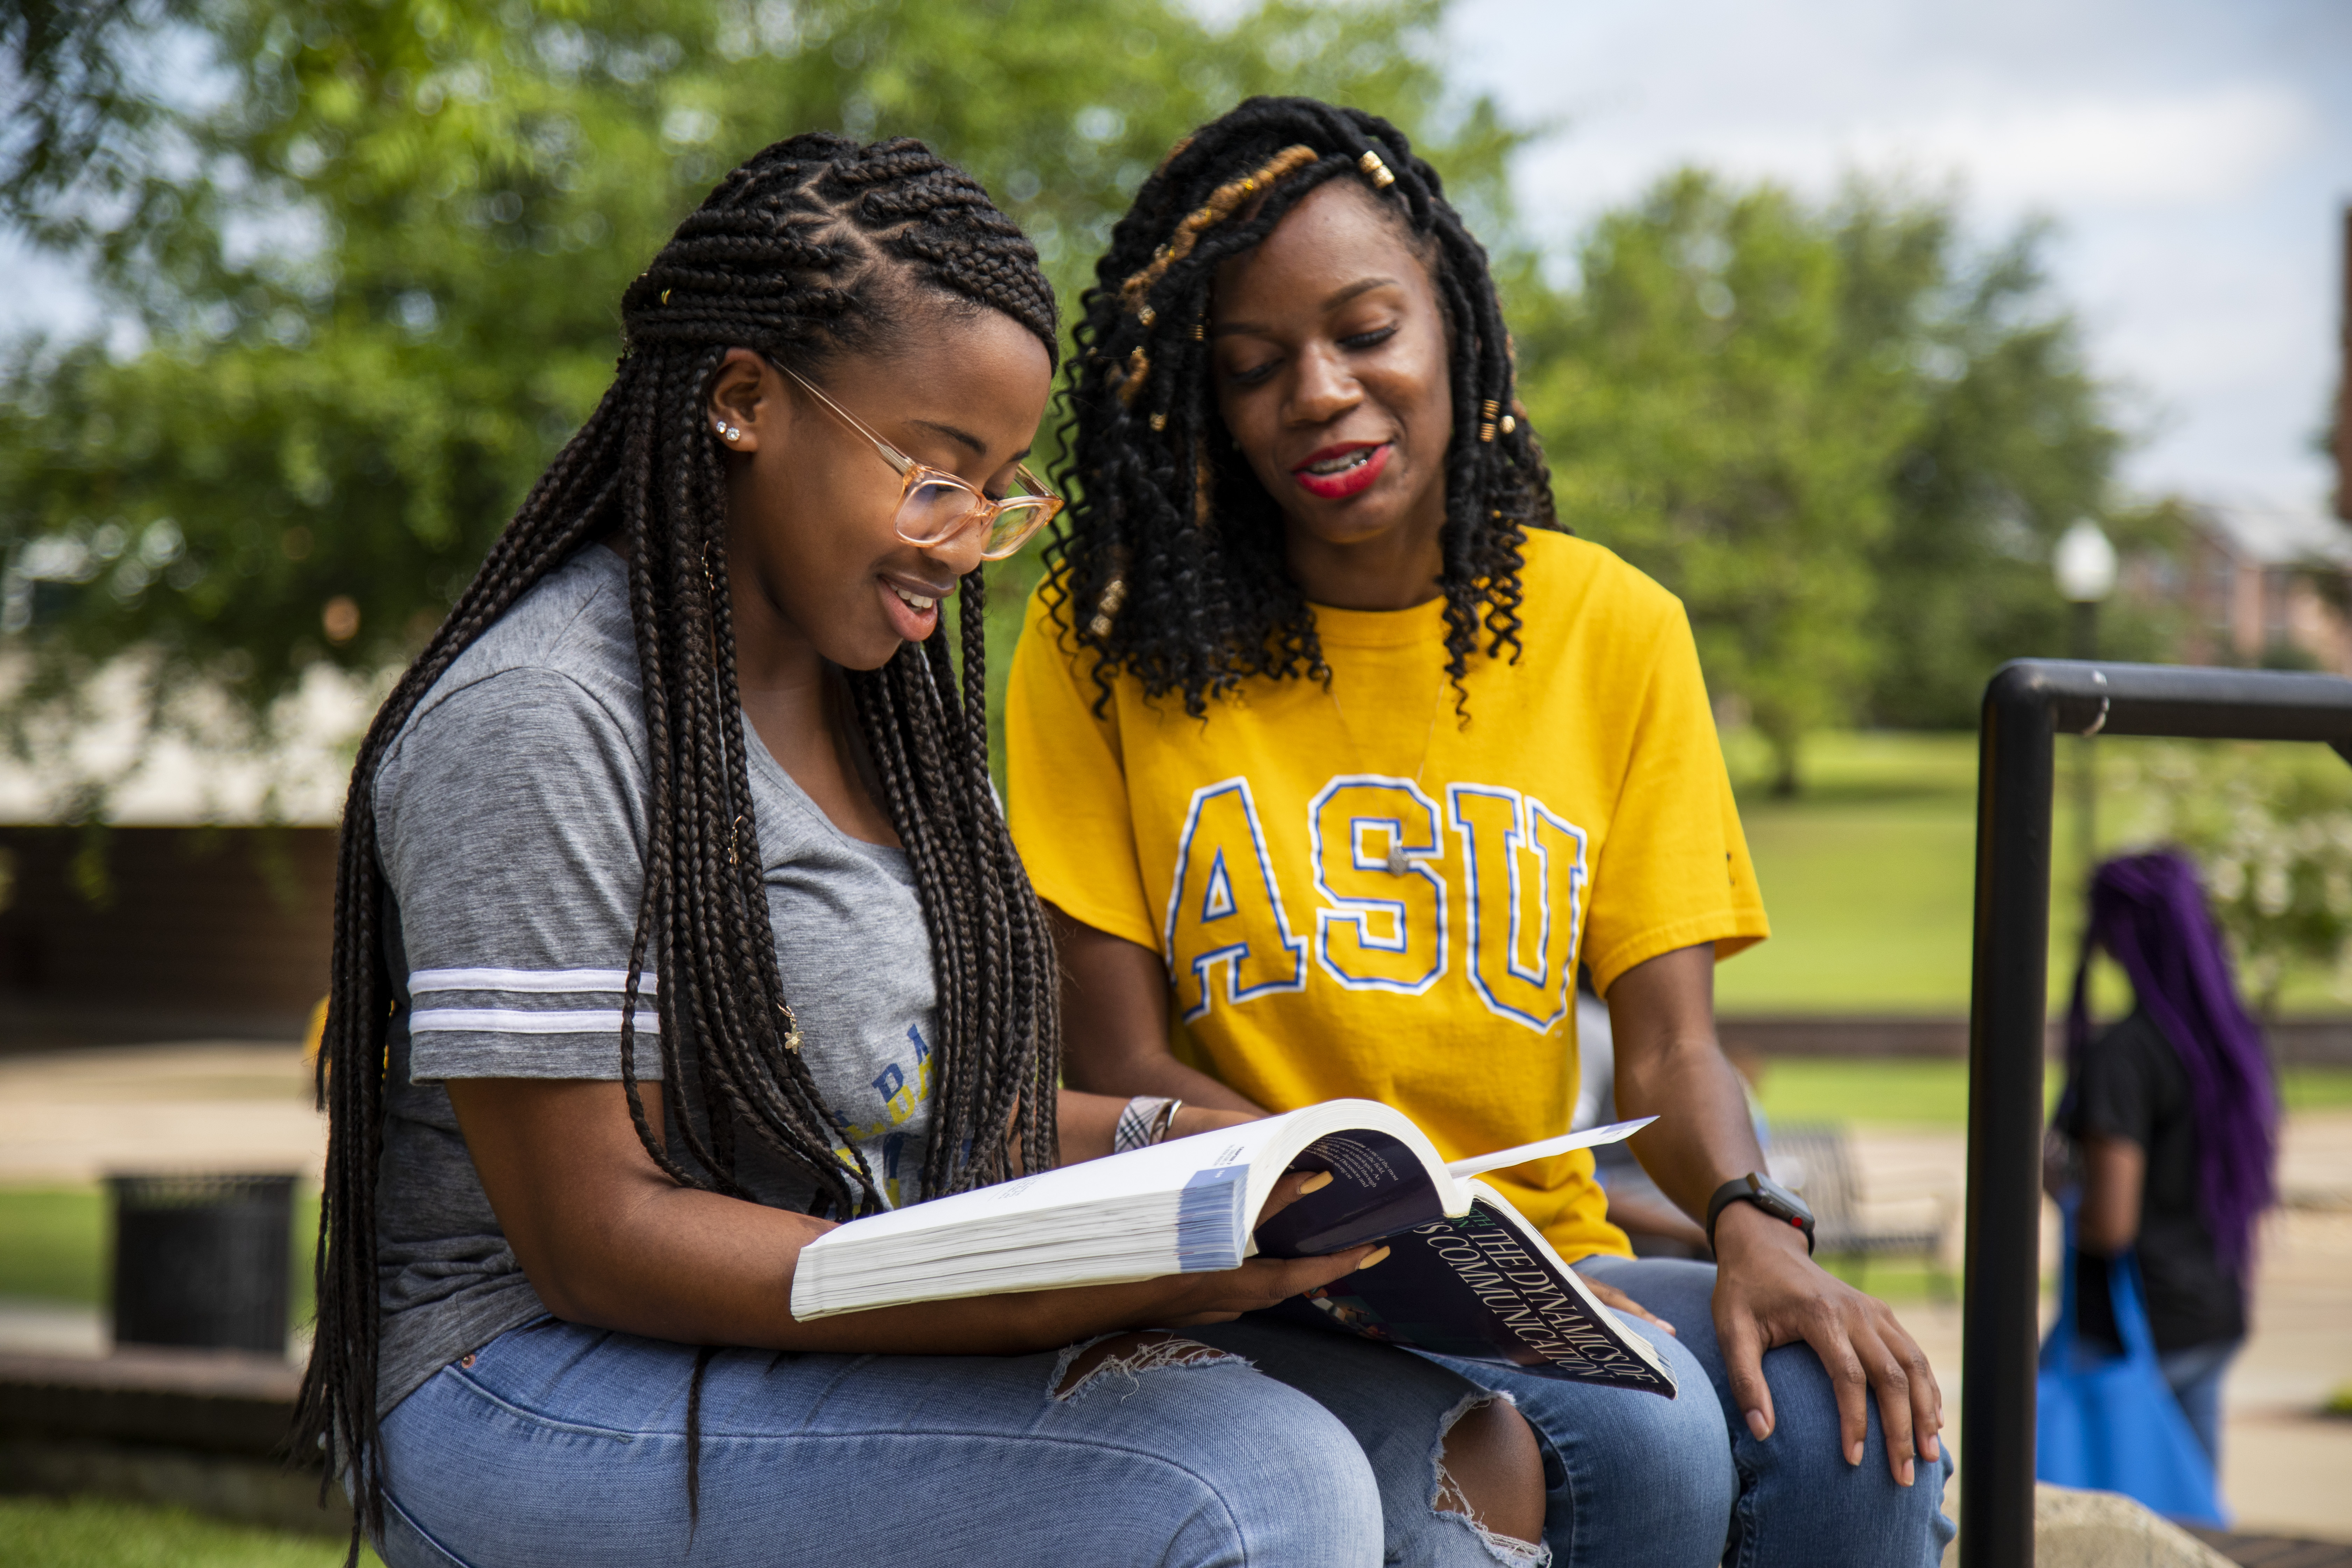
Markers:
(1582, 811)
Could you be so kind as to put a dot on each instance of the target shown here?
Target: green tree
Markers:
(373, 249)
(1711, 414)
(1843, 435)
(2012, 443)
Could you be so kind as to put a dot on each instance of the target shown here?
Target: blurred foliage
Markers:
(2271, 829)
(374, 251)
(1843, 435)
(361, 262)
(1710, 415)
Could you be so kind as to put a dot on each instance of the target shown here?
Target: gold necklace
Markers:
(1399, 864)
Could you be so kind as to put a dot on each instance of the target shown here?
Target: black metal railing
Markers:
(2028, 704)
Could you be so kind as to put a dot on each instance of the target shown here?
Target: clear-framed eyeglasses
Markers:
(936, 508)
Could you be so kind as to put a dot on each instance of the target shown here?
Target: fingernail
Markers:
(1934, 1450)
(1374, 1258)
(1314, 1184)
(1906, 1472)
(1756, 1423)
(1670, 1328)
(1854, 1454)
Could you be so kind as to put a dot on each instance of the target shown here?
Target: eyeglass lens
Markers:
(935, 511)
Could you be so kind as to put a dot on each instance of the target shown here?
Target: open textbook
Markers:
(1466, 1274)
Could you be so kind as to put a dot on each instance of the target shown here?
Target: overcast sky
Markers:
(2196, 155)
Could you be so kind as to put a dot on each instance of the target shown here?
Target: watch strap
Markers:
(1743, 1190)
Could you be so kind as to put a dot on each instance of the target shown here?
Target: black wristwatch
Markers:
(1767, 1194)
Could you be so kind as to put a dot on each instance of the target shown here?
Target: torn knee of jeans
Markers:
(1449, 1498)
(1125, 1356)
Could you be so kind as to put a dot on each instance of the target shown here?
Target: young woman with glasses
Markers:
(1335, 756)
(677, 922)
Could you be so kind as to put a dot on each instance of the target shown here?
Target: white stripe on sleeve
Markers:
(529, 980)
(516, 1020)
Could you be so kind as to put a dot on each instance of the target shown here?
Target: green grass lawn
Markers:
(1869, 878)
(1936, 1093)
(54, 1245)
(98, 1532)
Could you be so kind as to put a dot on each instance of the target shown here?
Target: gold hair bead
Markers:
(1376, 171)
(1200, 333)
(1509, 424)
(1486, 431)
(1159, 422)
(1147, 315)
(1220, 206)
(1491, 407)
(664, 299)
(1130, 385)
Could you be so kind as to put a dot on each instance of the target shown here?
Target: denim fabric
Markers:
(2194, 1375)
(1642, 1483)
(561, 1445)
(1366, 1385)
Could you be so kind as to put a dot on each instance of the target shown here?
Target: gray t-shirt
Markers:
(510, 812)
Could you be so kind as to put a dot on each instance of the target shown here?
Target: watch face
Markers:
(1767, 1188)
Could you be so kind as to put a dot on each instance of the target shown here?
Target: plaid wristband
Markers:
(1143, 1123)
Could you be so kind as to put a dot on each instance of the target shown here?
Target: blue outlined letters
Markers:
(1225, 907)
(1380, 931)
(1525, 892)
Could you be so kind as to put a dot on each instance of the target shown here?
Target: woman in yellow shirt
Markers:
(1334, 756)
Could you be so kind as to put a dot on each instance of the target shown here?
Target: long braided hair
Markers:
(816, 246)
(1170, 563)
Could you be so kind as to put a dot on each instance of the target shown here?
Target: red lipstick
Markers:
(1359, 465)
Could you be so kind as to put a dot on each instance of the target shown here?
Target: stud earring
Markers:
(728, 431)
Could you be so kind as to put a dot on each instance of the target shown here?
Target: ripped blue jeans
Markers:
(561, 1445)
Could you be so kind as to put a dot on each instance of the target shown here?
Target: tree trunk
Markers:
(1788, 781)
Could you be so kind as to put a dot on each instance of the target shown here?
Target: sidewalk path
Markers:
(2282, 1464)
(73, 1116)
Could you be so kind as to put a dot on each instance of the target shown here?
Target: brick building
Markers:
(2268, 584)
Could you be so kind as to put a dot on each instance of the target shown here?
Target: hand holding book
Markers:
(1466, 1274)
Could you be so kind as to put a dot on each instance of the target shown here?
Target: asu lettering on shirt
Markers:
(1387, 866)
(1382, 885)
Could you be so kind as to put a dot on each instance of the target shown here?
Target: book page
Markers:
(1379, 1185)
(1166, 1167)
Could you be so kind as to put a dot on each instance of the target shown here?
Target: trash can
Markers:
(203, 1261)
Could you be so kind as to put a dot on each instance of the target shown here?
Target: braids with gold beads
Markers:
(1170, 562)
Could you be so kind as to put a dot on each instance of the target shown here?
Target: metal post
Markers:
(2003, 1265)
(2087, 757)
(2026, 705)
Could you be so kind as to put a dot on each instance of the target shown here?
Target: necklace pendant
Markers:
(1398, 864)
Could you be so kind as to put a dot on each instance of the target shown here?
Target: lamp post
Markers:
(2085, 565)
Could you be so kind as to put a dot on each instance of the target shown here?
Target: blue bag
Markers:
(2111, 1422)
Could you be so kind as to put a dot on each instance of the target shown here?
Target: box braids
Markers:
(814, 248)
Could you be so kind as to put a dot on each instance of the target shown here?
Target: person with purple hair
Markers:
(2172, 1118)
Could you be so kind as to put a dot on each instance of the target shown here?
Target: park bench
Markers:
(1816, 1160)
